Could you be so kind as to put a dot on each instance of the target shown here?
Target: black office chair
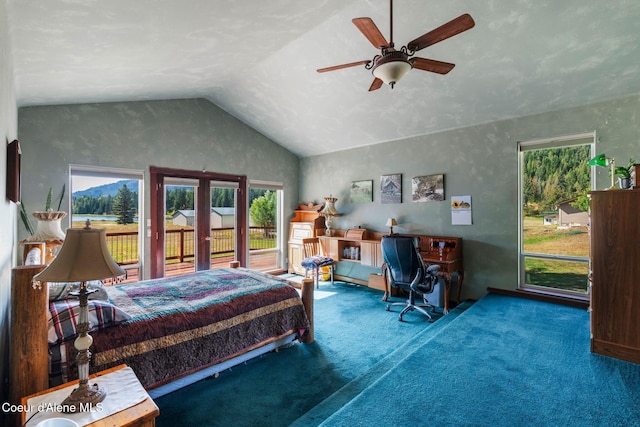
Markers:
(406, 270)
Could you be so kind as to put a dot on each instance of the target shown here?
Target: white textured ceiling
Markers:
(256, 60)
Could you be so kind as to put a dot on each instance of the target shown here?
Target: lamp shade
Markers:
(391, 72)
(329, 207)
(84, 256)
(391, 222)
(599, 160)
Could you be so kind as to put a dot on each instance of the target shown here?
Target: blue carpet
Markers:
(504, 362)
(353, 332)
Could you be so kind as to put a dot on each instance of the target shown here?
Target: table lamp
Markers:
(84, 256)
(390, 223)
(603, 161)
(329, 212)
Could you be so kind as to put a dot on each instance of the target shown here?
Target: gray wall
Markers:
(8, 130)
(189, 134)
(481, 161)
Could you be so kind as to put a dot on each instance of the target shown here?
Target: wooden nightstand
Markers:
(140, 414)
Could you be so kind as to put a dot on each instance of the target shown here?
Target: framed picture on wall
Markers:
(427, 188)
(361, 191)
(14, 157)
(391, 188)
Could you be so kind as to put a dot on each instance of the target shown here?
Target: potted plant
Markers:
(624, 174)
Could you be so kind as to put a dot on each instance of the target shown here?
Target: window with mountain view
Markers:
(111, 200)
(554, 181)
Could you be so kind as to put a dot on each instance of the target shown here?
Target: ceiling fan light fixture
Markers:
(391, 67)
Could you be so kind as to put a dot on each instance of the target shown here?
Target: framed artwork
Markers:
(362, 191)
(14, 157)
(427, 188)
(391, 188)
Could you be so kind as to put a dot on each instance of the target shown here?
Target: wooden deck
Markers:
(260, 262)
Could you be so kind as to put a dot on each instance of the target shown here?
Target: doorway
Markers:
(554, 180)
(202, 185)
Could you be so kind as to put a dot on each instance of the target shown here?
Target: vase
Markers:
(624, 183)
(49, 231)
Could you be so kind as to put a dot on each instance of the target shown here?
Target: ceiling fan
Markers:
(391, 65)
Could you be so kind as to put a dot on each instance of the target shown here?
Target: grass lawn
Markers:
(548, 239)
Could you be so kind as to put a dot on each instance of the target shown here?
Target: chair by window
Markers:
(405, 269)
(314, 260)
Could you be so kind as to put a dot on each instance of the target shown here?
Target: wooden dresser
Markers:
(615, 274)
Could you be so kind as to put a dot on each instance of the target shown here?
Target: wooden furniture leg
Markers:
(307, 301)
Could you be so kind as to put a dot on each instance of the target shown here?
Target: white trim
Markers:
(170, 181)
(560, 141)
(266, 185)
(105, 172)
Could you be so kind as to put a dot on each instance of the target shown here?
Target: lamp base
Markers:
(83, 398)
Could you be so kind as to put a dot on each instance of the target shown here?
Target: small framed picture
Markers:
(362, 191)
(391, 188)
(14, 157)
(427, 188)
(635, 177)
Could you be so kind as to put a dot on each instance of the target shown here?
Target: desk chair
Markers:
(406, 270)
(314, 260)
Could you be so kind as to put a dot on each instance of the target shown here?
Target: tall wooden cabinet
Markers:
(615, 274)
(306, 223)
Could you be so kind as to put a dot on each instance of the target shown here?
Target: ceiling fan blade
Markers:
(339, 67)
(369, 29)
(376, 84)
(443, 32)
(432, 65)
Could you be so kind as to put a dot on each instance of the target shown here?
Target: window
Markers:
(554, 238)
(111, 199)
(266, 241)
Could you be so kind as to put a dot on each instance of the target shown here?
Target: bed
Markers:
(193, 325)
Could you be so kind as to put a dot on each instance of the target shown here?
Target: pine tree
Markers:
(263, 210)
(124, 206)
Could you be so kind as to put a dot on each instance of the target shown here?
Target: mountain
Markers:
(108, 189)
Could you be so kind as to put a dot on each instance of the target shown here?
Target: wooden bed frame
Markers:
(29, 358)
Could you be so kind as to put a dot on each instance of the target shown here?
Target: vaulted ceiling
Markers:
(257, 60)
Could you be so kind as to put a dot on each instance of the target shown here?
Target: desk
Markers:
(449, 264)
(445, 252)
(142, 412)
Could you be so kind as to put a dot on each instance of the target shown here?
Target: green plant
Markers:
(625, 171)
(47, 205)
(25, 219)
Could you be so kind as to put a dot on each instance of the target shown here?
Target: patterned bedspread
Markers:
(182, 324)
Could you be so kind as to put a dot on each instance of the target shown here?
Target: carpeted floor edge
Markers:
(345, 394)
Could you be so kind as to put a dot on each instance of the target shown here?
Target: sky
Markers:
(79, 183)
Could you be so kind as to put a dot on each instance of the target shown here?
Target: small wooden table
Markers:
(450, 264)
(142, 414)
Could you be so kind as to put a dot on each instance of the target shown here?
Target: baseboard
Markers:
(572, 302)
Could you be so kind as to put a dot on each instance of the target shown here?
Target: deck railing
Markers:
(179, 243)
